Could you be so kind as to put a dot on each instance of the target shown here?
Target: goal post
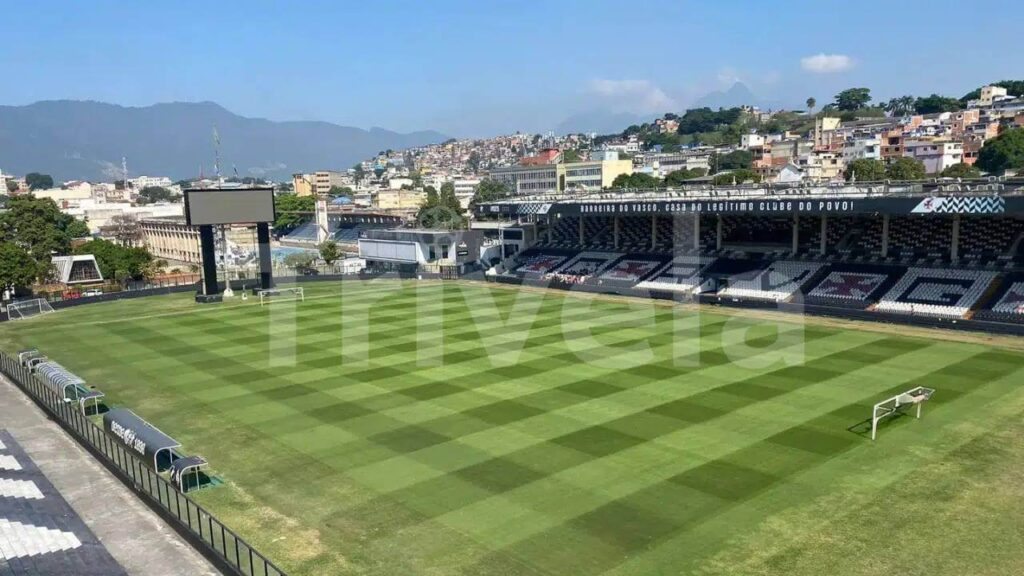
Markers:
(915, 397)
(269, 295)
(24, 309)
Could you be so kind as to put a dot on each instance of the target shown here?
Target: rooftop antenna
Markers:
(216, 153)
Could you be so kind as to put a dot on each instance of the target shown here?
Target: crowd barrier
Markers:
(228, 551)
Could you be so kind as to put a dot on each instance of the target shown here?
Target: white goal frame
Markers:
(890, 406)
(39, 306)
(267, 295)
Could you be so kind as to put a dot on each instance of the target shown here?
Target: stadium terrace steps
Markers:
(938, 292)
(40, 534)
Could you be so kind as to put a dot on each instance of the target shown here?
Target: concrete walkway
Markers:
(133, 534)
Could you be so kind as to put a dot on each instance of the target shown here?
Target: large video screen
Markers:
(236, 206)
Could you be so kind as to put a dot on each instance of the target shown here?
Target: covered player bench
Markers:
(64, 383)
(156, 449)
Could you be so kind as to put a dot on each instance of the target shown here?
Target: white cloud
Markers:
(826, 63)
(641, 96)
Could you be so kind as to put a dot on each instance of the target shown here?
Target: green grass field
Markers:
(463, 429)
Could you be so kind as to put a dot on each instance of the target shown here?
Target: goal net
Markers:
(915, 398)
(25, 309)
(274, 294)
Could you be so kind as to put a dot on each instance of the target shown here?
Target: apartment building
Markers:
(302, 184)
(936, 155)
(862, 148)
(537, 179)
(324, 180)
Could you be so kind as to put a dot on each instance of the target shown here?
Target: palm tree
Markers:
(900, 106)
(811, 103)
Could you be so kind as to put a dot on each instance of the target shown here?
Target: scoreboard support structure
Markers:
(209, 207)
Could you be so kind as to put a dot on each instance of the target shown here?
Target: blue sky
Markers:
(472, 67)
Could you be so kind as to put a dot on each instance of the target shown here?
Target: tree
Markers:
(117, 261)
(865, 170)
(1004, 152)
(12, 186)
(37, 181)
(299, 260)
(337, 191)
(126, 229)
(570, 155)
(679, 177)
(360, 173)
(154, 194)
(900, 106)
(853, 98)
(905, 168)
(737, 176)
(293, 211)
(441, 210)
(488, 191)
(17, 267)
(636, 180)
(811, 103)
(961, 170)
(474, 161)
(329, 251)
(37, 225)
(735, 160)
(935, 103)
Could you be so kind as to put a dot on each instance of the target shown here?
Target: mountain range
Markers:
(84, 140)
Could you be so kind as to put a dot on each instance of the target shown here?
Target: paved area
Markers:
(40, 534)
(135, 537)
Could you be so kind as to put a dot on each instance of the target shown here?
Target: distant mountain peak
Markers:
(78, 139)
(737, 95)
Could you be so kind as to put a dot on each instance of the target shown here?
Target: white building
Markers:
(146, 181)
(936, 155)
(465, 186)
(862, 148)
(748, 141)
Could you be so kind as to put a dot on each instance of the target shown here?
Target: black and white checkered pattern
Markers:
(961, 205)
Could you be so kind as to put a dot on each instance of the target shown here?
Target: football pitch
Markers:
(464, 429)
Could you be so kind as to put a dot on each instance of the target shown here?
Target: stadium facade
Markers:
(933, 252)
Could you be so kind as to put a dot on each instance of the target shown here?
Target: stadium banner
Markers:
(973, 205)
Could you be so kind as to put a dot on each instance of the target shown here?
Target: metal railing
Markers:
(207, 534)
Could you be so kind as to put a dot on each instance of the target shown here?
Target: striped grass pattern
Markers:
(388, 428)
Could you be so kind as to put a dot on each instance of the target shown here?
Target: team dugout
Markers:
(60, 380)
(157, 449)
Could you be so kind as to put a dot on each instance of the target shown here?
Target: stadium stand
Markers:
(989, 240)
(537, 263)
(916, 238)
(588, 263)
(779, 281)
(40, 533)
(757, 230)
(1006, 301)
(938, 292)
(683, 274)
(853, 285)
(632, 269)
